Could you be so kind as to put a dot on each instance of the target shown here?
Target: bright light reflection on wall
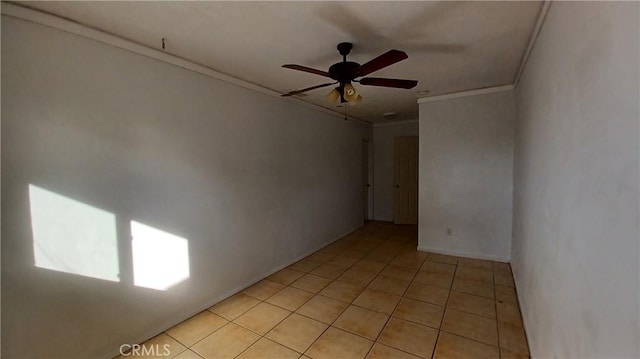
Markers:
(73, 237)
(160, 259)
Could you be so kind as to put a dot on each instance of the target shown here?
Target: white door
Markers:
(406, 180)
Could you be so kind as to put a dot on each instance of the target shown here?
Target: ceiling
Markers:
(452, 46)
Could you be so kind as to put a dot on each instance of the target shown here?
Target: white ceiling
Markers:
(452, 46)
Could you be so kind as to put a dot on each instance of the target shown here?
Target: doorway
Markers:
(405, 193)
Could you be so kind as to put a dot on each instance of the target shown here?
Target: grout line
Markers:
(444, 312)
(396, 306)
(495, 304)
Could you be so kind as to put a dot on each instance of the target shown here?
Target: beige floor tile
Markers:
(285, 276)
(262, 318)
(226, 342)
(382, 257)
(503, 279)
(475, 264)
(157, 344)
(336, 343)
(358, 276)
(442, 258)
(413, 263)
(507, 354)
(371, 266)
(412, 253)
(426, 293)
(502, 274)
(321, 257)
(355, 252)
(376, 300)
(437, 267)
(475, 287)
(473, 304)
(475, 274)
(509, 313)
(419, 312)
(361, 321)
(470, 326)
(263, 289)
(381, 351)
(311, 283)
(290, 298)
(297, 332)
(506, 295)
(512, 338)
(440, 280)
(398, 272)
(389, 285)
(334, 248)
(366, 245)
(306, 265)
(187, 354)
(343, 261)
(329, 271)
(234, 306)
(196, 327)
(343, 291)
(322, 308)
(451, 346)
(265, 348)
(501, 267)
(410, 337)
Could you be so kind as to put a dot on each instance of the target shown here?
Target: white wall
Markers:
(465, 176)
(383, 165)
(252, 182)
(576, 196)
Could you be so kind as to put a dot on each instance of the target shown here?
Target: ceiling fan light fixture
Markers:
(350, 93)
(356, 100)
(334, 95)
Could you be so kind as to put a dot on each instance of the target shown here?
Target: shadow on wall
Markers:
(76, 238)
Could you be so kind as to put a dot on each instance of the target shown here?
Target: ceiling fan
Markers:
(345, 72)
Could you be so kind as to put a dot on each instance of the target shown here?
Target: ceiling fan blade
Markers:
(309, 70)
(388, 58)
(297, 92)
(397, 83)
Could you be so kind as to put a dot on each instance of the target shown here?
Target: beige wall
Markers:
(252, 181)
(576, 199)
(465, 175)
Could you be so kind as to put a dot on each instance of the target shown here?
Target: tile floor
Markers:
(370, 294)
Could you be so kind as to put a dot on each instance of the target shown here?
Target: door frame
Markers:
(367, 175)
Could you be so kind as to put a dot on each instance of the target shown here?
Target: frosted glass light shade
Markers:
(334, 95)
(350, 93)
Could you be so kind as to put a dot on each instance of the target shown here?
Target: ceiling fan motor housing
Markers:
(343, 71)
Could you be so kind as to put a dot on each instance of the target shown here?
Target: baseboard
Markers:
(464, 254)
(230, 292)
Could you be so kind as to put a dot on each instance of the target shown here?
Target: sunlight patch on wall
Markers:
(160, 259)
(73, 237)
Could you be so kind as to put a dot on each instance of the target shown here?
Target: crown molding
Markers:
(56, 22)
(394, 123)
(476, 92)
(542, 16)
